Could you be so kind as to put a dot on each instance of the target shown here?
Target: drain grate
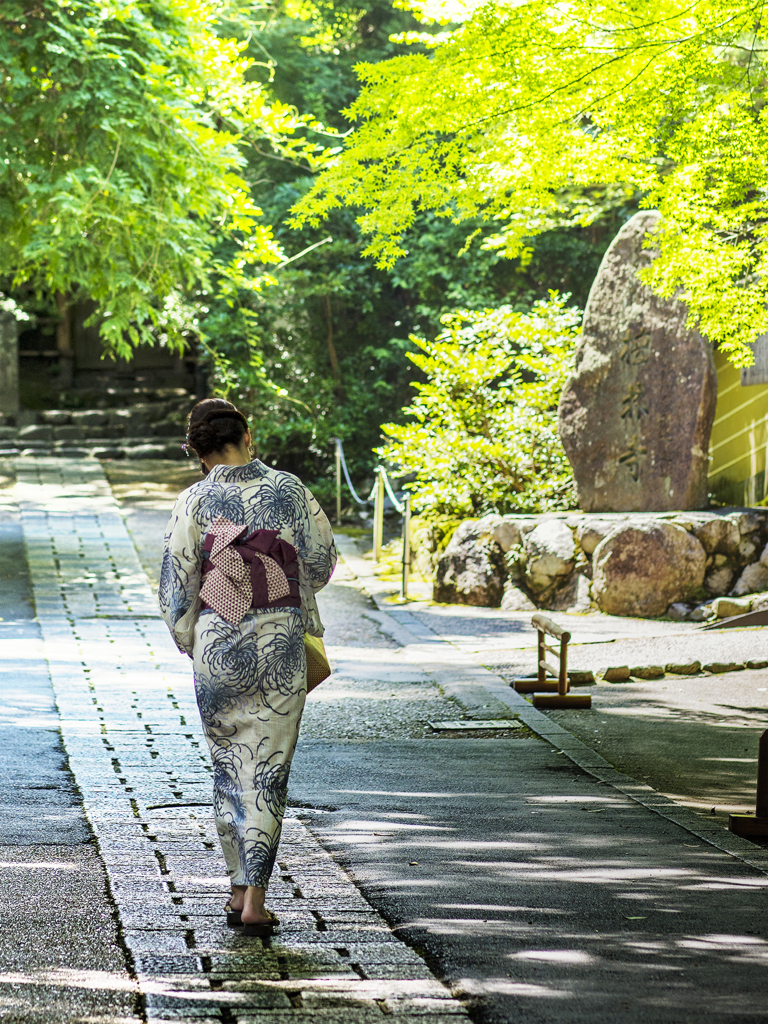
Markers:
(464, 725)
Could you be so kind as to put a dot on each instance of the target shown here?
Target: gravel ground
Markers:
(373, 694)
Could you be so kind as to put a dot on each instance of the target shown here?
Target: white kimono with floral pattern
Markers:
(250, 679)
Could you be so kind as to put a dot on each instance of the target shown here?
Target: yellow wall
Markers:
(739, 443)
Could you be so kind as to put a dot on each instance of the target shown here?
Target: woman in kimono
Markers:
(245, 551)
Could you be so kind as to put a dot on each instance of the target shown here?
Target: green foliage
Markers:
(332, 296)
(483, 431)
(524, 105)
(123, 127)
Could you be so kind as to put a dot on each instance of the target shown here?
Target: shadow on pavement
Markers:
(537, 891)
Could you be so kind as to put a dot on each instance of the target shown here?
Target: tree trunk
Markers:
(332, 348)
(64, 341)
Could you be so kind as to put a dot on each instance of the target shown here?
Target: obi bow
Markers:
(230, 584)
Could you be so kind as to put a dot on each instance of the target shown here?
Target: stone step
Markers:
(158, 448)
(129, 429)
(110, 397)
(142, 412)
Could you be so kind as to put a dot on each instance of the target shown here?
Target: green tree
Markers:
(123, 131)
(525, 105)
(322, 354)
(482, 431)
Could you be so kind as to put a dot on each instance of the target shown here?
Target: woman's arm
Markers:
(179, 592)
(321, 555)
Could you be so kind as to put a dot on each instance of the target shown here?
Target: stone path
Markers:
(131, 731)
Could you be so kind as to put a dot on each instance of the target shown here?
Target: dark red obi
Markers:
(261, 544)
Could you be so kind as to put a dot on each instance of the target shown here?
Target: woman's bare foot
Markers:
(237, 898)
(254, 911)
(249, 900)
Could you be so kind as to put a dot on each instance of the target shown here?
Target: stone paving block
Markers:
(147, 923)
(158, 1016)
(324, 1015)
(261, 957)
(329, 1000)
(320, 973)
(381, 953)
(176, 985)
(259, 994)
(435, 1017)
(200, 1015)
(336, 938)
(140, 941)
(382, 972)
(421, 1006)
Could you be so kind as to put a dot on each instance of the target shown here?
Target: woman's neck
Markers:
(230, 456)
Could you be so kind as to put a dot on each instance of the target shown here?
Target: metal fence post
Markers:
(338, 482)
(406, 547)
(378, 517)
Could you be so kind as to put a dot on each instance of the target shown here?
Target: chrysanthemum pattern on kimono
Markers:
(250, 678)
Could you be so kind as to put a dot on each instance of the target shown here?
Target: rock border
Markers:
(618, 563)
(627, 674)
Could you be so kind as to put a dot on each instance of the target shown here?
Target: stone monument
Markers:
(9, 364)
(636, 415)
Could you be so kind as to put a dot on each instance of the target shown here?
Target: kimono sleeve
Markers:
(180, 575)
(320, 557)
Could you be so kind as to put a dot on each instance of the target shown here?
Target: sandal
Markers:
(235, 918)
(259, 931)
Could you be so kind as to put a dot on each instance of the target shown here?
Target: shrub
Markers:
(482, 431)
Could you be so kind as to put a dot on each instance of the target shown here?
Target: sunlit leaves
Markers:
(483, 428)
(527, 100)
(123, 131)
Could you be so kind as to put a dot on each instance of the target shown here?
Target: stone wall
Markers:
(694, 565)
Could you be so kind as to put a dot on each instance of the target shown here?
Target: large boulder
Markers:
(636, 415)
(750, 522)
(642, 568)
(429, 538)
(516, 600)
(507, 532)
(471, 569)
(573, 595)
(550, 553)
(719, 578)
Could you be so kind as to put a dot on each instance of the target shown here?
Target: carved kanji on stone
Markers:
(635, 348)
(632, 456)
(632, 407)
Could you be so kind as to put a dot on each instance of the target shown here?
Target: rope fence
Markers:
(381, 486)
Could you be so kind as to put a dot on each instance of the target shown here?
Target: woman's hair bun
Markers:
(214, 424)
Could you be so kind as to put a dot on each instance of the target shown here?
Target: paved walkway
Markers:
(540, 881)
(60, 958)
(131, 731)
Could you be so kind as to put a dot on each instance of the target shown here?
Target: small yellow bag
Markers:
(318, 668)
